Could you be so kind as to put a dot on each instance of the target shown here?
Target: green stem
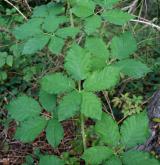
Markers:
(82, 123)
(70, 15)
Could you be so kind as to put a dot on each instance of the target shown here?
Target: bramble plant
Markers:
(94, 61)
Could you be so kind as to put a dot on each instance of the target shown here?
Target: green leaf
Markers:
(97, 154)
(40, 11)
(67, 32)
(102, 80)
(3, 56)
(91, 105)
(50, 160)
(47, 100)
(35, 44)
(108, 130)
(23, 107)
(29, 29)
(30, 129)
(55, 8)
(99, 56)
(117, 17)
(52, 22)
(57, 83)
(135, 130)
(9, 60)
(92, 43)
(123, 46)
(133, 68)
(138, 158)
(69, 105)
(92, 23)
(107, 3)
(83, 8)
(55, 45)
(77, 62)
(54, 133)
(113, 161)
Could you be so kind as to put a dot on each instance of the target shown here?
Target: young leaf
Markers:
(113, 161)
(35, 44)
(97, 47)
(29, 29)
(54, 133)
(23, 107)
(69, 105)
(135, 130)
(117, 17)
(57, 83)
(108, 130)
(30, 129)
(102, 80)
(91, 105)
(138, 158)
(133, 68)
(123, 46)
(97, 154)
(83, 8)
(47, 100)
(92, 23)
(55, 45)
(67, 32)
(77, 62)
(50, 160)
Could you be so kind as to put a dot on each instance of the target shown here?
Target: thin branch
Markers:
(147, 23)
(16, 9)
(108, 102)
